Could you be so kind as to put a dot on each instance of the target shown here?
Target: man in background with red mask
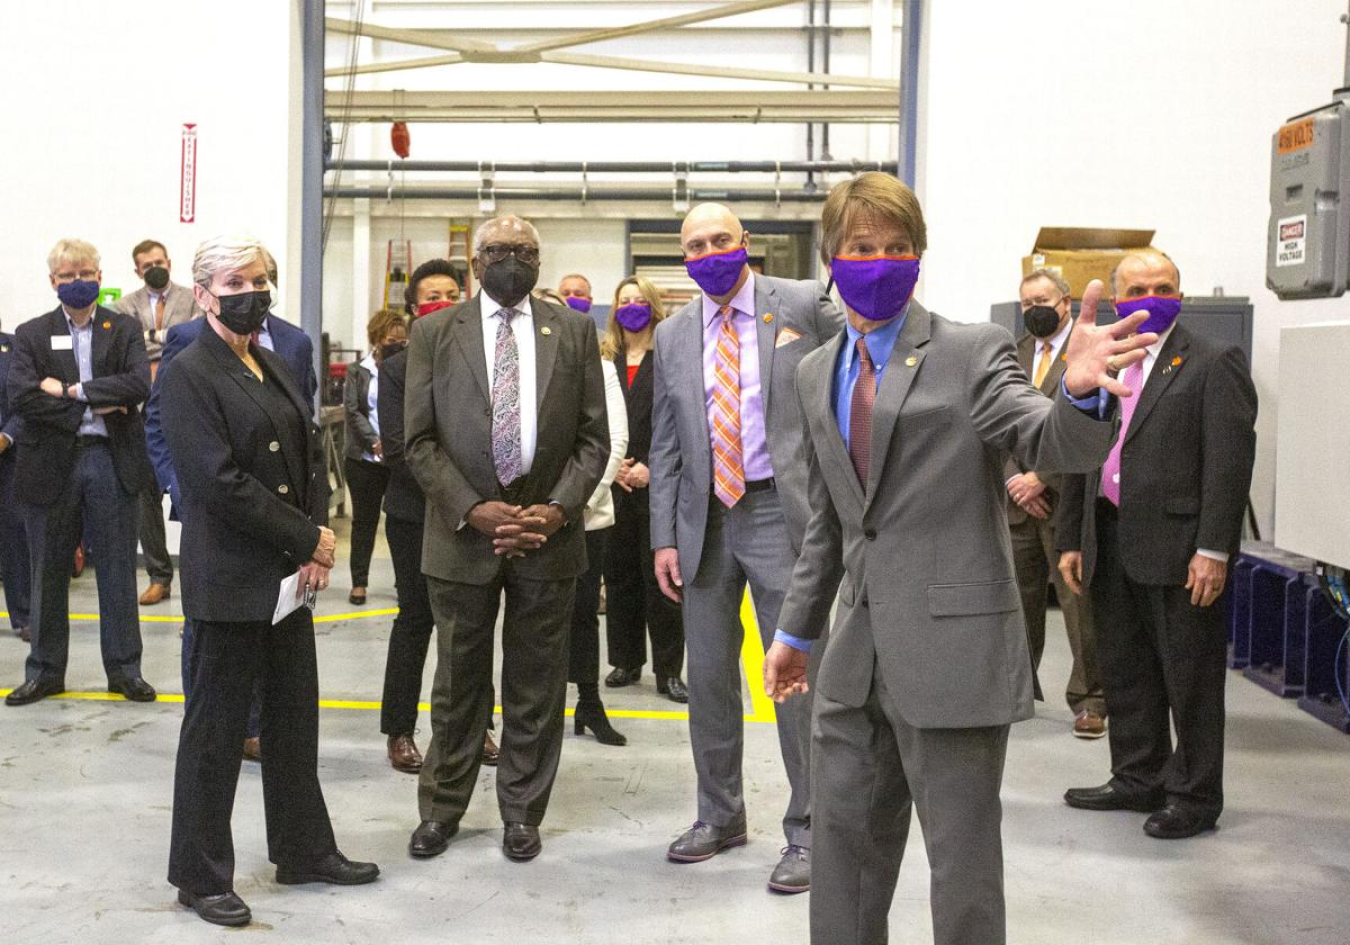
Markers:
(909, 419)
(1151, 533)
(728, 507)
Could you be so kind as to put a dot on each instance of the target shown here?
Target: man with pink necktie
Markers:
(728, 507)
(1151, 534)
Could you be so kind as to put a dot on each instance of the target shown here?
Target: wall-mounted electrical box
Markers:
(1308, 243)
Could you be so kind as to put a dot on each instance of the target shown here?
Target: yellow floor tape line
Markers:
(752, 658)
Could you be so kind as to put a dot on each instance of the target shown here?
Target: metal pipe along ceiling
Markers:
(579, 194)
(618, 167)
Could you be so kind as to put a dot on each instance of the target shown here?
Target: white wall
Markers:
(95, 98)
(1148, 114)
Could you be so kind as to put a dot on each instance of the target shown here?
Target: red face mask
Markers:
(426, 308)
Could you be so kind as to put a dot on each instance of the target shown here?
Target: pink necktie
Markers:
(728, 471)
(1132, 378)
(860, 413)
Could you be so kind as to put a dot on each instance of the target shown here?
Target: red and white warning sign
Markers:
(187, 187)
(1292, 249)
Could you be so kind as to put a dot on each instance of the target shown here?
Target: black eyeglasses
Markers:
(496, 252)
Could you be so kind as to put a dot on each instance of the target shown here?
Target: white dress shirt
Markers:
(522, 326)
(1056, 346)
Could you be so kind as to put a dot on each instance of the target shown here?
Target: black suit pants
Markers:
(1163, 662)
(535, 632)
(367, 482)
(583, 664)
(226, 660)
(411, 634)
(634, 604)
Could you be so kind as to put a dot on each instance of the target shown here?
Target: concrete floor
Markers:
(86, 785)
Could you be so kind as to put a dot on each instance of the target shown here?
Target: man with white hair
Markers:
(79, 376)
(506, 433)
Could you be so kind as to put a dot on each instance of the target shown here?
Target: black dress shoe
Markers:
(618, 678)
(521, 841)
(673, 688)
(133, 688)
(1178, 823)
(31, 690)
(222, 909)
(431, 838)
(1110, 797)
(333, 868)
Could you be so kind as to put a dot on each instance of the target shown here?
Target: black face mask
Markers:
(1041, 320)
(388, 351)
(509, 280)
(156, 277)
(244, 313)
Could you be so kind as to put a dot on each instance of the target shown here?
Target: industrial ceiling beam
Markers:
(410, 37)
(648, 26)
(722, 72)
(751, 106)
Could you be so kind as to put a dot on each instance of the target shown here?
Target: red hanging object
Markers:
(400, 139)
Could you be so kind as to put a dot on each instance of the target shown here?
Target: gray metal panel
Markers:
(1227, 319)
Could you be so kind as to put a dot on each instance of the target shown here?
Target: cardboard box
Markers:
(1081, 254)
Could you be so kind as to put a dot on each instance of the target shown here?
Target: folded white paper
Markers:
(289, 598)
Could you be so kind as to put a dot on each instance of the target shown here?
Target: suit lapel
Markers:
(819, 378)
(766, 303)
(689, 357)
(1164, 371)
(903, 367)
(1026, 353)
(101, 342)
(1050, 385)
(469, 336)
(63, 361)
(546, 340)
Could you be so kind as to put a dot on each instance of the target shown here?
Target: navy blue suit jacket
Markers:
(10, 421)
(290, 344)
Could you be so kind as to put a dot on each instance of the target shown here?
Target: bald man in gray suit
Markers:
(908, 419)
(728, 508)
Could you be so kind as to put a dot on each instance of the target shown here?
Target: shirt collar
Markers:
(880, 341)
(368, 362)
(491, 306)
(742, 301)
(88, 326)
(1154, 348)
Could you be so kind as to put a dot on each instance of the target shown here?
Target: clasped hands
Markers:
(1028, 492)
(55, 387)
(632, 475)
(314, 573)
(515, 530)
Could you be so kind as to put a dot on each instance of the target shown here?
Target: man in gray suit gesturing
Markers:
(908, 419)
(506, 433)
(728, 505)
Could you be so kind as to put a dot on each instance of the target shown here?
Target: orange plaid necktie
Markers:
(159, 313)
(728, 472)
(1043, 368)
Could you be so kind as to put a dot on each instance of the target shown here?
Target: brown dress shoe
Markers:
(490, 752)
(253, 749)
(77, 566)
(1088, 725)
(403, 754)
(155, 593)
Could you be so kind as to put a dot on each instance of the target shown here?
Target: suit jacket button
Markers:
(283, 488)
(870, 534)
(274, 446)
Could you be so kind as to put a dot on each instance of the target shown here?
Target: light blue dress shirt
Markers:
(82, 340)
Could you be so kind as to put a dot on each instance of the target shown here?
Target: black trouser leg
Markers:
(584, 647)
(367, 482)
(411, 634)
(625, 590)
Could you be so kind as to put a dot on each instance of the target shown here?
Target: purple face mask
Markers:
(716, 273)
(577, 304)
(634, 317)
(1162, 312)
(876, 287)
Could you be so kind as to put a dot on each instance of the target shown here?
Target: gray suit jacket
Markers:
(1026, 357)
(681, 451)
(448, 436)
(928, 591)
(355, 394)
(179, 307)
